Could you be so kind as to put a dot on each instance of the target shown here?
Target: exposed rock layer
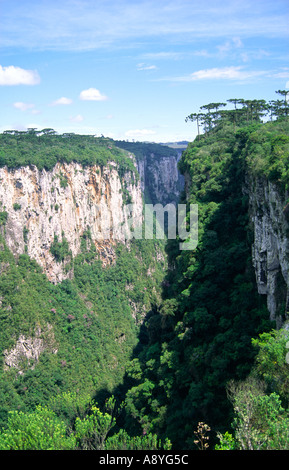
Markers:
(66, 202)
(270, 215)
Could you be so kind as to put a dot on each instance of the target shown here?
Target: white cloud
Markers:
(92, 94)
(284, 73)
(62, 100)
(23, 106)
(134, 133)
(145, 67)
(70, 24)
(78, 118)
(233, 48)
(12, 75)
(26, 107)
(222, 73)
(229, 46)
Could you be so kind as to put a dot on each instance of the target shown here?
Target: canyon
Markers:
(64, 203)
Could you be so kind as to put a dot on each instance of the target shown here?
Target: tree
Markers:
(60, 250)
(260, 422)
(195, 117)
(32, 130)
(122, 441)
(42, 429)
(270, 361)
(234, 113)
(285, 106)
(210, 117)
(92, 431)
(48, 131)
(259, 109)
(235, 101)
(38, 430)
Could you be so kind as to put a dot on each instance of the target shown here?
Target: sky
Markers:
(134, 70)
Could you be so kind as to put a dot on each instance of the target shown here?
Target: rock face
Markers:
(27, 350)
(62, 204)
(270, 216)
(160, 178)
(157, 164)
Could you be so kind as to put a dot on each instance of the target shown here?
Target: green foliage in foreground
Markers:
(40, 430)
(43, 429)
(260, 403)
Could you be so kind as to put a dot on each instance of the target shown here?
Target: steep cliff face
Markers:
(46, 207)
(160, 178)
(270, 249)
(157, 165)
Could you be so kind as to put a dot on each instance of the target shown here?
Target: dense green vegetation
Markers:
(83, 426)
(200, 338)
(45, 148)
(181, 358)
(260, 402)
(89, 324)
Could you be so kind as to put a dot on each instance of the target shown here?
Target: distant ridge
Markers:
(176, 145)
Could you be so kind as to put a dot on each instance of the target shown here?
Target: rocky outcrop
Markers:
(27, 350)
(269, 213)
(44, 207)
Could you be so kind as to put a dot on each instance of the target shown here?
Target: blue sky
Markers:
(136, 69)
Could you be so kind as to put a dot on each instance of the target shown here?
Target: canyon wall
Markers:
(269, 214)
(161, 181)
(65, 203)
(157, 164)
(43, 207)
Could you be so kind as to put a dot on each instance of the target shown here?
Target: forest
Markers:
(45, 148)
(204, 367)
(213, 356)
